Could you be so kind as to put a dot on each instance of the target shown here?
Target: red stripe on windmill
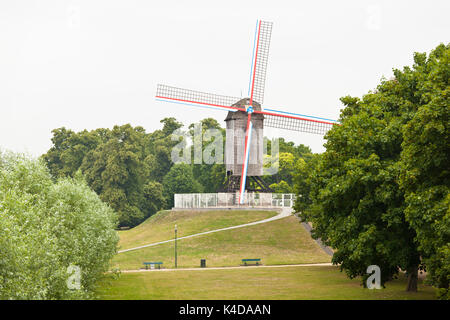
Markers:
(246, 115)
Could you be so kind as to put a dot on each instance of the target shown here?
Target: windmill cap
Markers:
(243, 103)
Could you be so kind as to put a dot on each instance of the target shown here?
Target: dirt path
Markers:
(285, 212)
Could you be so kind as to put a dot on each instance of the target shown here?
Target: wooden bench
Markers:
(146, 264)
(256, 261)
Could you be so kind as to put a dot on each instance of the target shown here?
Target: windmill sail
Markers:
(175, 94)
(259, 64)
(296, 123)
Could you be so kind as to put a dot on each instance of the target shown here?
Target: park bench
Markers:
(256, 261)
(152, 265)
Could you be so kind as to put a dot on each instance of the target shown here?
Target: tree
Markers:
(425, 158)
(69, 149)
(48, 226)
(115, 171)
(358, 206)
(281, 187)
(179, 179)
(299, 151)
(154, 198)
(285, 161)
(281, 181)
(286, 167)
(210, 175)
(160, 145)
(303, 182)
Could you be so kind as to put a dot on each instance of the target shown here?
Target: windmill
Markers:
(246, 118)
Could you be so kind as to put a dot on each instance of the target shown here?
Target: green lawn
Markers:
(160, 226)
(283, 241)
(253, 283)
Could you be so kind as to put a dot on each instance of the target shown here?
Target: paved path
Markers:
(285, 212)
(231, 268)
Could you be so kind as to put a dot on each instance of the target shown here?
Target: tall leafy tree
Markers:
(303, 181)
(299, 151)
(210, 175)
(180, 179)
(154, 197)
(425, 159)
(69, 149)
(115, 171)
(358, 205)
(286, 161)
(48, 226)
(283, 178)
(161, 144)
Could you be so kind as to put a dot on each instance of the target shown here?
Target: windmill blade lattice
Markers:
(297, 124)
(264, 33)
(196, 97)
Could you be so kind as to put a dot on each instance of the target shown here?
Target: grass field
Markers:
(160, 226)
(283, 241)
(253, 283)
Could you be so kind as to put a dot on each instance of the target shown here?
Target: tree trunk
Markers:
(412, 273)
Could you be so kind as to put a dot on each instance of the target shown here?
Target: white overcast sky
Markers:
(90, 64)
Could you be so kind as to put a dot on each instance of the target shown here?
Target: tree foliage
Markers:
(210, 175)
(124, 166)
(180, 179)
(47, 226)
(379, 194)
(303, 180)
(425, 159)
(287, 160)
(116, 171)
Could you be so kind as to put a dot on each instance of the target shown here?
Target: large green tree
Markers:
(425, 161)
(303, 181)
(48, 227)
(210, 175)
(379, 194)
(358, 206)
(69, 149)
(286, 161)
(116, 171)
(180, 179)
(160, 148)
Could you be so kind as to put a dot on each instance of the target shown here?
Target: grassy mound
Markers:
(283, 241)
(160, 226)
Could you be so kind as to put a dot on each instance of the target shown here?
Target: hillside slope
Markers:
(160, 227)
(283, 241)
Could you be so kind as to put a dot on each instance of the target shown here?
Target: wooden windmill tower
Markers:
(246, 118)
(236, 125)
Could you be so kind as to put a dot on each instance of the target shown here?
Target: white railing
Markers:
(221, 200)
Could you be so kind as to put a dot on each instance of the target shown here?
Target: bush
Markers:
(47, 227)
